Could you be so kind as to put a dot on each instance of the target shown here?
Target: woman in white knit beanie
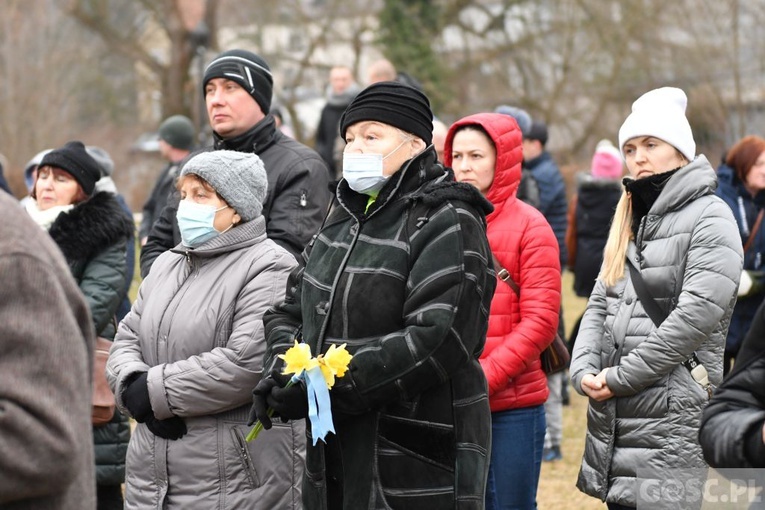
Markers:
(650, 346)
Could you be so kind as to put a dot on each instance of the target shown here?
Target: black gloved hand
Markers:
(288, 403)
(259, 410)
(170, 428)
(136, 398)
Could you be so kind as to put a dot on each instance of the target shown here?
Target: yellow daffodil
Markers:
(298, 358)
(334, 363)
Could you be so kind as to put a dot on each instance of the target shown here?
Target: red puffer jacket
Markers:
(524, 244)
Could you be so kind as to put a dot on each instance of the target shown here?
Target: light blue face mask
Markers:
(195, 222)
(364, 172)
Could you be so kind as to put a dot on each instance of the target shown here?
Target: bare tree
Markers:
(140, 28)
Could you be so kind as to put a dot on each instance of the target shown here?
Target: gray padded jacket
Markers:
(197, 328)
(690, 258)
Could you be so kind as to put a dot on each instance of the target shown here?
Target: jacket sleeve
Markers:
(710, 282)
(162, 235)
(446, 309)
(552, 197)
(731, 425)
(103, 282)
(586, 357)
(45, 332)
(299, 204)
(540, 284)
(223, 378)
(125, 356)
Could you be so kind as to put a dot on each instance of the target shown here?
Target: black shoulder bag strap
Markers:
(694, 366)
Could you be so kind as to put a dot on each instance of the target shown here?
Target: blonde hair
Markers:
(619, 235)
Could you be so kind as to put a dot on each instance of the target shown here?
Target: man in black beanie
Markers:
(238, 86)
(401, 276)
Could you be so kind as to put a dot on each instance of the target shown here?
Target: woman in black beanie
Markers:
(400, 273)
(92, 231)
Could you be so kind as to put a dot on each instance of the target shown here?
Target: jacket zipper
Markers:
(244, 455)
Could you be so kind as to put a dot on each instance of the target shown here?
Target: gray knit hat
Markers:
(238, 177)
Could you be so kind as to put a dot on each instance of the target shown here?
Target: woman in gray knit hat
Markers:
(189, 352)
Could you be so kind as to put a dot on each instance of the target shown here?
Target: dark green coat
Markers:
(407, 285)
(93, 237)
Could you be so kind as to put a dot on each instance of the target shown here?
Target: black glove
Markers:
(259, 410)
(170, 428)
(288, 403)
(136, 398)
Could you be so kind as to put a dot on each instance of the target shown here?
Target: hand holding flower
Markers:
(304, 394)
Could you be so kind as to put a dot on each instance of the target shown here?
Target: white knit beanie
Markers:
(660, 113)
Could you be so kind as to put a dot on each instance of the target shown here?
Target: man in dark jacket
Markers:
(342, 89)
(238, 89)
(176, 139)
(401, 273)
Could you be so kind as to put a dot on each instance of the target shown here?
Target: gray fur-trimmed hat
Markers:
(238, 177)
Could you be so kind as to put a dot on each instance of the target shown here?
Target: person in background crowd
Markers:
(381, 70)
(46, 341)
(485, 151)
(732, 432)
(92, 231)
(589, 217)
(106, 183)
(552, 203)
(176, 139)
(189, 352)
(439, 138)
(30, 175)
(401, 274)
(528, 189)
(280, 121)
(238, 86)
(342, 89)
(741, 178)
(673, 248)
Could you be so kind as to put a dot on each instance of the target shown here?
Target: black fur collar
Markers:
(91, 226)
(440, 191)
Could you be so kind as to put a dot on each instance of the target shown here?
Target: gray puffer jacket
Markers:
(690, 258)
(197, 328)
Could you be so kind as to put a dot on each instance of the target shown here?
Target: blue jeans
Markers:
(517, 439)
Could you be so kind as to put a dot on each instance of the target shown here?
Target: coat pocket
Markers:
(244, 462)
(416, 463)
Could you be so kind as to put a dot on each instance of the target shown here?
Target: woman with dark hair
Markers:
(92, 230)
(740, 179)
(485, 151)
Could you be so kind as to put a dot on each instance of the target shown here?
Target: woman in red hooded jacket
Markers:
(485, 151)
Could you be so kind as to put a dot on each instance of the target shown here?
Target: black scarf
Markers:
(643, 193)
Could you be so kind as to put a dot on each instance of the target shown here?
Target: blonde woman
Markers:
(682, 241)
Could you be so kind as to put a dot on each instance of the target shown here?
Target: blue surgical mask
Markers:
(195, 222)
(364, 172)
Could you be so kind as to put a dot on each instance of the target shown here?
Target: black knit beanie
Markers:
(391, 103)
(75, 160)
(248, 70)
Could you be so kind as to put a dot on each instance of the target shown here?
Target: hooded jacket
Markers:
(520, 328)
(197, 328)
(406, 283)
(552, 197)
(296, 201)
(689, 256)
(93, 237)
